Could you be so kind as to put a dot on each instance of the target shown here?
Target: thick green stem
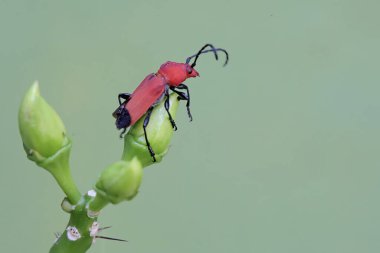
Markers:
(58, 165)
(98, 203)
(68, 186)
(76, 238)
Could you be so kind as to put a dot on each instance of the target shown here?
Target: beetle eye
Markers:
(189, 71)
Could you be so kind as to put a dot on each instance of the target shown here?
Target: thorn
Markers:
(100, 229)
(110, 238)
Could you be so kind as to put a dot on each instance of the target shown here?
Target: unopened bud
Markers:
(42, 130)
(120, 181)
(159, 132)
(45, 142)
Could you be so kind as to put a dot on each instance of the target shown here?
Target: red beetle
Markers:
(156, 86)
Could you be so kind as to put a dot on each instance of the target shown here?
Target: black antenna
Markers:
(202, 51)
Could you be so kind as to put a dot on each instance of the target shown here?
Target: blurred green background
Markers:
(283, 152)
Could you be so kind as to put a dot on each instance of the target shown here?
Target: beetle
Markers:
(156, 86)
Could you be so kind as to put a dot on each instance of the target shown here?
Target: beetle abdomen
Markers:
(123, 118)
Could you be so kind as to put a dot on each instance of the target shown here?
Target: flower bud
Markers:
(159, 131)
(45, 142)
(120, 181)
(41, 129)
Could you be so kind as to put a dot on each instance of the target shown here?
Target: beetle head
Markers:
(176, 73)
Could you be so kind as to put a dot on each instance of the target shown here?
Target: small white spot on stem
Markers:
(94, 229)
(91, 193)
(92, 214)
(72, 233)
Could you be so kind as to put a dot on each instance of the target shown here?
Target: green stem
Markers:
(58, 165)
(98, 203)
(67, 184)
(82, 224)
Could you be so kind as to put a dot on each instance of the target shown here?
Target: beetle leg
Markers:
(184, 87)
(167, 105)
(146, 122)
(126, 96)
(181, 95)
(122, 132)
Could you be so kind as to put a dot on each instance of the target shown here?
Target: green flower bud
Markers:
(120, 181)
(41, 129)
(159, 131)
(45, 142)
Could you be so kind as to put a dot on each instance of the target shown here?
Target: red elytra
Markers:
(154, 87)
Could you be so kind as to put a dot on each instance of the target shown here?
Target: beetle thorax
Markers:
(176, 73)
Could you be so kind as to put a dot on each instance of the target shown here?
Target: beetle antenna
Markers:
(202, 51)
(219, 49)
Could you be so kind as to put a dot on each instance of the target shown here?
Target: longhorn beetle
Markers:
(154, 88)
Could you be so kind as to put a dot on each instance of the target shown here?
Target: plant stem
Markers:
(82, 224)
(58, 165)
(67, 184)
(98, 203)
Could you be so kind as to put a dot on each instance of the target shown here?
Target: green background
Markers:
(283, 152)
